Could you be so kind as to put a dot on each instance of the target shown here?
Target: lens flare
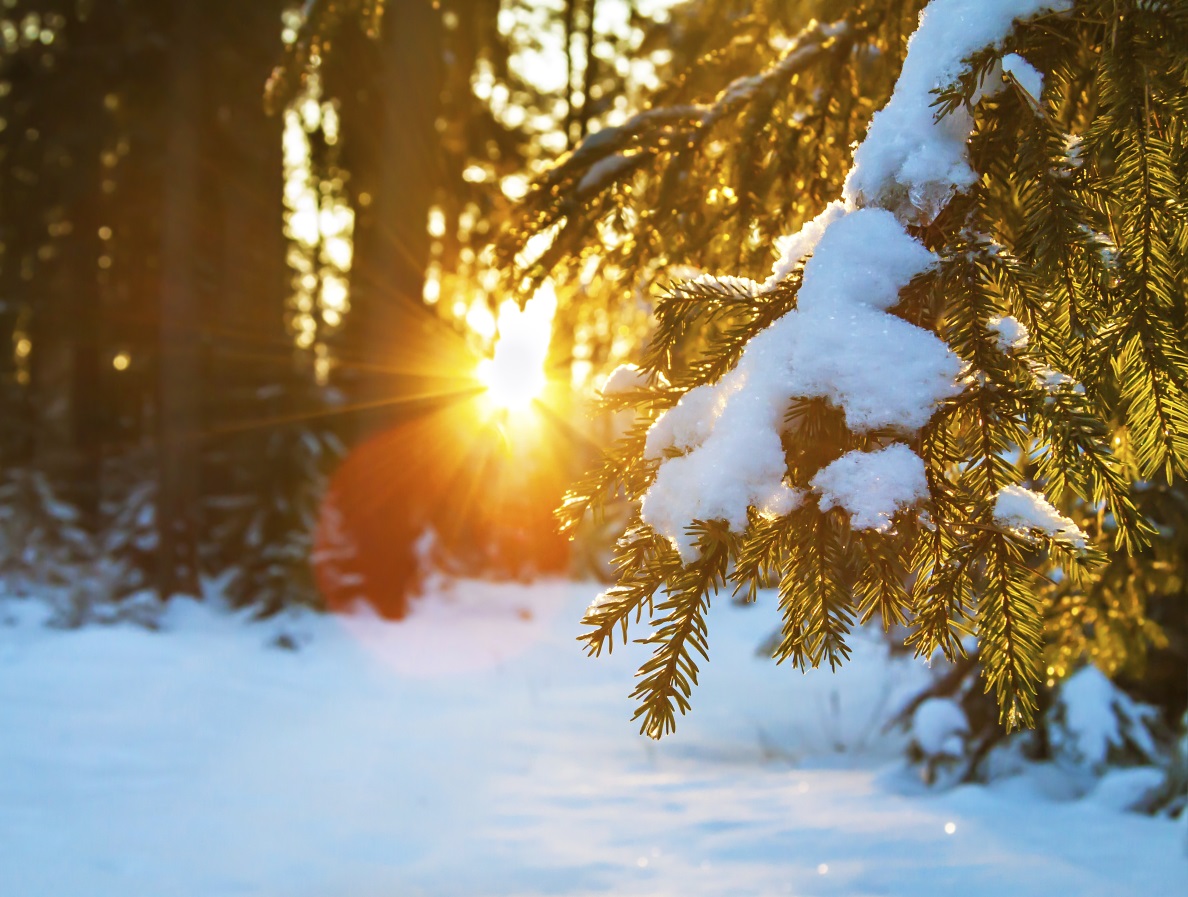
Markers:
(514, 376)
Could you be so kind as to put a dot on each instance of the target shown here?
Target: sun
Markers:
(514, 377)
(512, 385)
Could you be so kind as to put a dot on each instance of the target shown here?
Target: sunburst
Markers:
(514, 376)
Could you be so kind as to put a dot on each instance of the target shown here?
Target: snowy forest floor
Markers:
(475, 750)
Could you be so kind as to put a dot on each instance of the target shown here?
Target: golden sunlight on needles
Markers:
(514, 376)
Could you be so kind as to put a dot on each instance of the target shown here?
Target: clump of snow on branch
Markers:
(1052, 380)
(1074, 151)
(1011, 333)
(605, 171)
(624, 378)
(742, 284)
(845, 347)
(1021, 509)
(1025, 75)
(872, 486)
(739, 461)
(839, 344)
(719, 449)
(793, 248)
(910, 162)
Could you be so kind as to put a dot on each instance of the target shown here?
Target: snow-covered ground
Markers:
(474, 750)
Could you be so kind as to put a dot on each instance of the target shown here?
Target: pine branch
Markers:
(941, 595)
(762, 552)
(668, 677)
(616, 470)
(665, 136)
(645, 562)
(879, 587)
(1010, 628)
(1061, 285)
(814, 595)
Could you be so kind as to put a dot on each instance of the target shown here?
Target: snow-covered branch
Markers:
(601, 154)
(841, 343)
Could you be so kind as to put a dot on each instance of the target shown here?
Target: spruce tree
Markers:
(956, 398)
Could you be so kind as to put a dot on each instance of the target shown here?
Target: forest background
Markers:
(252, 258)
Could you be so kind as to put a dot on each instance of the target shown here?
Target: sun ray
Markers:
(429, 399)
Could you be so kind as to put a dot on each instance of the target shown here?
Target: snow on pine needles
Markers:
(841, 343)
(838, 344)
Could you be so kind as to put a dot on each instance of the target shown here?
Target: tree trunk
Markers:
(391, 148)
(248, 346)
(178, 366)
(67, 294)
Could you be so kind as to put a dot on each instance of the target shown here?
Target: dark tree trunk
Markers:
(589, 71)
(248, 348)
(178, 416)
(67, 135)
(396, 353)
(392, 100)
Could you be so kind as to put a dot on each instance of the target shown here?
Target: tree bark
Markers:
(391, 147)
(178, 365)
(68, 136)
